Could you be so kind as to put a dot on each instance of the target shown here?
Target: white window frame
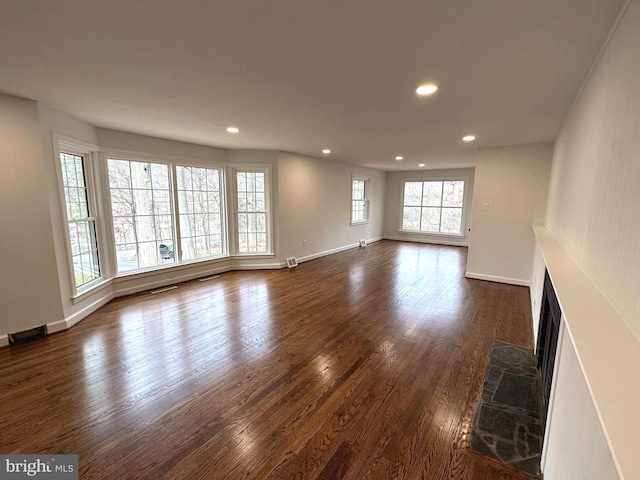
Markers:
(266, 170)
(89, 154)
(367, 199)
(171, 208)
(172, 163)
(465, 205)
(223, 213)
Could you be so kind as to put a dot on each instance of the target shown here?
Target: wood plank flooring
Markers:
(366, 364)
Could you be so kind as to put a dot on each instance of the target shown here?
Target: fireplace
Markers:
(548, 329)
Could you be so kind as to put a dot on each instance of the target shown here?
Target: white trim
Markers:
(434, 241)
(493, 278)
(4, 340)
(136, 155)
(607, 349)
(367, 199)
(268, 203)
(86, 151)
(328, 252)
(260, 266)
(464, 225)
(552, 394)
(72, 143)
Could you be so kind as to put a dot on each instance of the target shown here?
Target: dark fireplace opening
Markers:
(548, 330)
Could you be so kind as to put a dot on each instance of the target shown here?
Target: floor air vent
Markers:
(212, 277)
(363, 243)
(292, 262)
(27, 335)
(163, 289)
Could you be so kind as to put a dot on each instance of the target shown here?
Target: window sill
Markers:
(176, 266)
(253, 255)
(355, 224)
(90, 290)
(431, 234)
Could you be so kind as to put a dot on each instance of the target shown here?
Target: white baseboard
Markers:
(493, 278)
(444, 241)
(260, 266)
(327, 252)
(4, 340)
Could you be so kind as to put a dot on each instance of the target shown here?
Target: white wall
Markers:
(118, 140)
(509, 195)
(593, 213)
(595, 195)
(29, 292)
(393, 205)
(575, 446)
(314, 199)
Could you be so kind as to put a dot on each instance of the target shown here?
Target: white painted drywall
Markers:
(594, 199)
(29, 291)
(393, 205)
(593, 213)
(314, 197)
(575, 446)
(509, 195)
(118, 140)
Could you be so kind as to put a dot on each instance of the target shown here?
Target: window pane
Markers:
(242, 181)
(200, 211)
(358, 190)
(430, 219)
(126, 257)
(119, 174)
(411, 218)
(142, 215)
(358, 211)
(252, 212)
(413, 193)
(451, 220)
(80, 226)
(432, 194)
(142, 202)
(453, 193)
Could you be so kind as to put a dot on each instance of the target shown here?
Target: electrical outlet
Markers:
(304, 243)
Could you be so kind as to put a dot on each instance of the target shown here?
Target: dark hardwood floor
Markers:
(366, 364)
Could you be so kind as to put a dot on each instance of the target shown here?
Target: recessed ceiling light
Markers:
(233, 130)
(326, 151)
(468, 138)
(399, 157)
(427, 89)
(421, 164)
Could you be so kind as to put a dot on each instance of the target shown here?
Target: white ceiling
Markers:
(301, 75)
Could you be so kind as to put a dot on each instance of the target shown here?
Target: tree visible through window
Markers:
(252, 212)
(81, 224)
(200, 207)
(142, 214)
(433, 206)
